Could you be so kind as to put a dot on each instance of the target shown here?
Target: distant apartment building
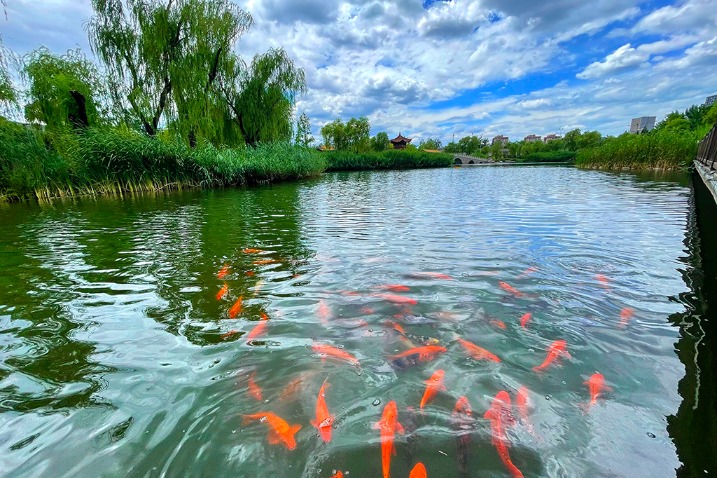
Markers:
(711, 100)
(500, 139)
(531, 138)
(551, 137)
(644, 123)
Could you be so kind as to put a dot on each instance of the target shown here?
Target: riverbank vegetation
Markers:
(170, 105)
(387, 159)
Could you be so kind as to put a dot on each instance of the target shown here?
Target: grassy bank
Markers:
(663, 150)
(119, 161)
(389, 159)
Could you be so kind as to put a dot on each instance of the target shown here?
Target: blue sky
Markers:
(432, 68)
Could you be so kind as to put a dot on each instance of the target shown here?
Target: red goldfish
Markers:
(521, 403)
(389, 426)
(478, 353)
(419, 471)
(602, 279)
(556, 350)
(223, 272)
(324, 420)
(396, 299)
(596, 385)
(525, 319)
(433, 386)
(625, 315)
(498, 323)
(324, 312)
(462, 410)
(260, 329)
(252, 251)
(229, 334)
(499, 414)
(424, 353)
(433, 275)
(338, 474)
(236, 308)
(254, 389)
(395, 287)
(331, 351)
(510, 289)
(222, 292)
(279, 430)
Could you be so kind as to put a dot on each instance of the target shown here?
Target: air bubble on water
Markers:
(376, 402)
(548, 397)
(359, 372)
(234, 431)
(266, 401)
(505, 341)
(651, 435)
(262, 419)
(532, 351)
(564, 382)
(370, 330)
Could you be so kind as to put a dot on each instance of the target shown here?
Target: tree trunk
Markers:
(80, 121)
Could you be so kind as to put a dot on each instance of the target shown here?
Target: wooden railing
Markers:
(707, 150)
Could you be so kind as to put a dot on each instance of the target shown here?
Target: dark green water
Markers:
(114, 358)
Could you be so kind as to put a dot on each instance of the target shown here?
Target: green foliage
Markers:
(8, 94)
(551, 156)
(352, 136)
(380, 142)
(303, 131)
(430, 143)
(64, 90)
(661, 149)
(262, 106)
(388, 159)
(710, 116)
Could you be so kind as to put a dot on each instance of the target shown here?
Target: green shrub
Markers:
(389, 159)
(551, 156)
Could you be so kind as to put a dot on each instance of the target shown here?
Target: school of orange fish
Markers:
(500, 414)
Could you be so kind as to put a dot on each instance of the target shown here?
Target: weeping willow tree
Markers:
(165, 59)
(65, 91)
(262, 97)
(8, 94)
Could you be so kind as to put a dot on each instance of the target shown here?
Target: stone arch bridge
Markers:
(459, 159)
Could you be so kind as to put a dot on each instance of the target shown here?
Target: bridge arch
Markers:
(457, 161)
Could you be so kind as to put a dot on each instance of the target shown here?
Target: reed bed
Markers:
(390, 159)
(664, 150)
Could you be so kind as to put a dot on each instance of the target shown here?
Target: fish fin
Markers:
(400, 429)
(566, 354)
(273, 438)
(608, 388)
(295, 428)
(490, 415)
(314, 423)
(377, 425)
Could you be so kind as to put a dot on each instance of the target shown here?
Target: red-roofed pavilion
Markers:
(400, 142)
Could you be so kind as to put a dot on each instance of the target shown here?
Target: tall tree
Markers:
(430, 143)
(261, 98)
(352, 136)
(165, 59)
(303, 131)
(380, 142)
(8, 94)
(65, 91)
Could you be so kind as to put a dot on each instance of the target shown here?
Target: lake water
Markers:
(120, 356)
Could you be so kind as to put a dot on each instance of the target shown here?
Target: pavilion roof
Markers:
(400, 138)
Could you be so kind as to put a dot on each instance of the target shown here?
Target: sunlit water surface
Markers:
(117, 358)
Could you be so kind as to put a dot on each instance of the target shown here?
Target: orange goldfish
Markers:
(424, 353)
(324, 420)
(521, 403)
(338, 474)
(433, 275)
(478, 353)
(528, 271)
(396, 299)
(223, 272)
(260, 329)
(602, 279)
(222, 292)
(556, 350)
(433, 386)
(388, 425)
(254, 389)
(334, 352)
(419, 471)
(236, 308)
(625, 315)
(499, 415)
(510, 289)
(229, 334)
(324, 312)
(462, 410)
(279, 430)
(397, 327)
(596, 385)
(252, 251)
(498, 323)
(525, 319)
(395, 287)
(250, 273)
